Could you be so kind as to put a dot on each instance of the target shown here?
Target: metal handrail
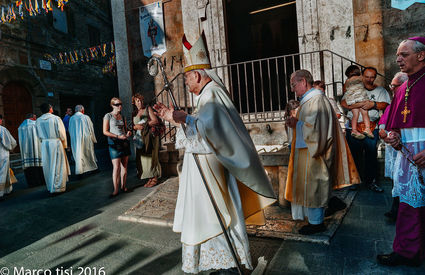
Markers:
(260, 88)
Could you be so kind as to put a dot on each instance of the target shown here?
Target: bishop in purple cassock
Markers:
(406, 119)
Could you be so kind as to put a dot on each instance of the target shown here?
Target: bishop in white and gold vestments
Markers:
(232, 168)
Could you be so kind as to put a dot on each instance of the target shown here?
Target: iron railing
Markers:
(260, 88)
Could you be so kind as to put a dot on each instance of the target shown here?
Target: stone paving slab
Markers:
(279, 223)
(158, 209)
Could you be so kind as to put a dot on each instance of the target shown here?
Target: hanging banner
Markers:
(152, 29)
(404, 4)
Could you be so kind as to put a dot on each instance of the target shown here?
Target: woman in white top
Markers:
(115, 128)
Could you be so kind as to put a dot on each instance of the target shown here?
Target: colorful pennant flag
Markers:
(28, 7)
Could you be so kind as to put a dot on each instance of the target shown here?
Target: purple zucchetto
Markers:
(418, 38)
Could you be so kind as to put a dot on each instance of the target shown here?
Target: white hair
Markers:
(202, 73)
(79, 108)
(401, 77)
(417, 46)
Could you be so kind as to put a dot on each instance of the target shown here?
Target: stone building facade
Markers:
(366, 32)
(397, 26)
(26, 82)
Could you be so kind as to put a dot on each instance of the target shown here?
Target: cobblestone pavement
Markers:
(79, 229)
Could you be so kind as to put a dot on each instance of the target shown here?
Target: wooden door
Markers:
(17, 103)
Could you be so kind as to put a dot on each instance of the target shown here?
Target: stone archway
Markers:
(20, 93)
(28, 79)
(17, 102)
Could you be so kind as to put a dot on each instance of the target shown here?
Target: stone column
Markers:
(369, 35)
(326, 25)
(122, 56)
(208, 16)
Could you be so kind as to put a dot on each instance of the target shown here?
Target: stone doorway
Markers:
(70, 101)
(259, 29)
(17, 103)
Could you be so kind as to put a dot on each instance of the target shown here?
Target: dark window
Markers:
(94, 36)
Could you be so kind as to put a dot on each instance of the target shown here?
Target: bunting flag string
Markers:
(82, 55)
(110, 67)
(32, 8)
(100, 52)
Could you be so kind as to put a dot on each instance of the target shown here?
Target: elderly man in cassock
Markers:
(7, 144)
(406, 123)
(51, 132)
(82, 141)
(216, 134)
(30, 146)
(320, 158)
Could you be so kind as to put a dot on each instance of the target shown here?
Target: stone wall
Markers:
(369, 35)
(271, 133)
(141, 81)
(326, 25)
(397, 26)
(25, 42)
(208, 16)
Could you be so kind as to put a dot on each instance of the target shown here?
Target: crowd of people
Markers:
(48, 143)
(223, 185)
(322, 158)
(317, 147)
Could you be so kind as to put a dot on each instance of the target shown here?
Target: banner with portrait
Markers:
(152, 29)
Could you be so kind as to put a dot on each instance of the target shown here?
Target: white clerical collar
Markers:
(309, 94)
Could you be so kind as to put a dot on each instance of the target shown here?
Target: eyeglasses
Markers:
(392, 86)
(293, 84)
(117, 104)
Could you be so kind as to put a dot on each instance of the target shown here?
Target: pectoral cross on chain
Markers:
(405, 112)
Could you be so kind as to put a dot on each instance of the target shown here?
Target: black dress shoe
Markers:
(230, 271)
(312, 229)
(375, 188)
(354, 187)
(395, 259)
(335, 204)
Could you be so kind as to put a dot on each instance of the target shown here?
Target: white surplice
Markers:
(7, 144)
(51, 132)
(82, 143)
(204, 245)
(234, 174)
(29, 144)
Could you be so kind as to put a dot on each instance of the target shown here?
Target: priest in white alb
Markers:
(30, 146)
(51, 132)
(239, 185)
(7, 144)
(82, 141)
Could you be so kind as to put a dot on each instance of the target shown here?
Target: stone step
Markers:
(169, 160)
